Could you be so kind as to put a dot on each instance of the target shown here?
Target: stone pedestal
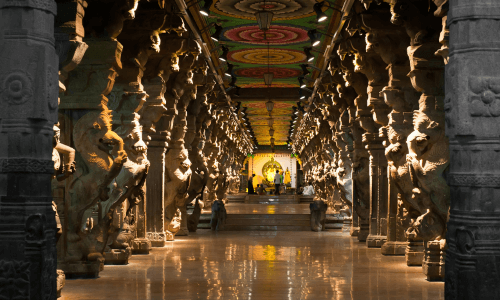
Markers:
(434, 258)
(414, 253)
(88, 269)
(141, 246)
(117, 256)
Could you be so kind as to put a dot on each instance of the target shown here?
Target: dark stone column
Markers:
(155, 188)
(378, 192)
(472, 105)
(28, 91)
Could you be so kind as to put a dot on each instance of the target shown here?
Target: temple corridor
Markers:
(249, 149)
(260, 265)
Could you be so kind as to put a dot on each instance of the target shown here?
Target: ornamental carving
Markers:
(26, 165)
(16, 88)
(484, 99)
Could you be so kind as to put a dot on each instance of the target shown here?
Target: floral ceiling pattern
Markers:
(280, 50)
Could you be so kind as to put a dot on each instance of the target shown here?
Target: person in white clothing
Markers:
(308, 190)
(277, 182)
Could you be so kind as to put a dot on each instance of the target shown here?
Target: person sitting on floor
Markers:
(308, 190)
(260, 189)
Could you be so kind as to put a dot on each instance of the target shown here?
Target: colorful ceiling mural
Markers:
(258, 116)
(279, 50)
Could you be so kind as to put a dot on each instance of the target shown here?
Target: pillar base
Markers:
(182, 232)
(354, 231)
(117, 256)
(347, 225)
(363, 233)
(394, 248)
(87, 269)
(157, 239)
(414, 253)
(433, 262)
(141, 246)
(375, 241)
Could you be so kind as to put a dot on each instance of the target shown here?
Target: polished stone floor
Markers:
(239, 209)
(260, 266)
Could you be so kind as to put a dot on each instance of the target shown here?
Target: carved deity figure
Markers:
(97, 168)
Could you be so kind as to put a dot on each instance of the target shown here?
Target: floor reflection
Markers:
(260, 265)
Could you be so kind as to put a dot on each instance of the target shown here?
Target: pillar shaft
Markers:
(378, 193)
(471, 104)
(29, 85)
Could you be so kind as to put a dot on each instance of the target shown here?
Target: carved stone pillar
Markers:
(378, 191)
(472, 124)
(157, 119)
(29, 88)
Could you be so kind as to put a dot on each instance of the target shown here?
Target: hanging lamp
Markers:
(264, 19)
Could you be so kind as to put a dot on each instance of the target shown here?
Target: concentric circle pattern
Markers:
(282, 9)
(276, 35)
(277, 72)
(261, 56)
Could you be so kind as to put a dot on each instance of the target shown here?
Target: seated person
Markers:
(300, 190)
(260, 189)
(308, 190)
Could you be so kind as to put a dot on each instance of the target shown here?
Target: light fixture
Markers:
(312, 34)
(218, 31)
(320, 15)
(233, 81)
(225, 50)
(309, 56)
(271, 131)
(301, 96)
(205, 10)
(272, 141)
(264, 19)
(305, 71)
(269, 106)
(270, 122)
(301, 82)
(229, 70)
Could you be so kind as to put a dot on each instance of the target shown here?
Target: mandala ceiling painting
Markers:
(279, 50)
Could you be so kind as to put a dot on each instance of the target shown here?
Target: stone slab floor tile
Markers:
(260, 266)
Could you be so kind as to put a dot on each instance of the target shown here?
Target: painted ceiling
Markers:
(257, 115)
(280, 50)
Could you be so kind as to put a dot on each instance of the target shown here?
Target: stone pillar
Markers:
(29, 85)
(378, 192)
(472, 124)
(158, 116)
